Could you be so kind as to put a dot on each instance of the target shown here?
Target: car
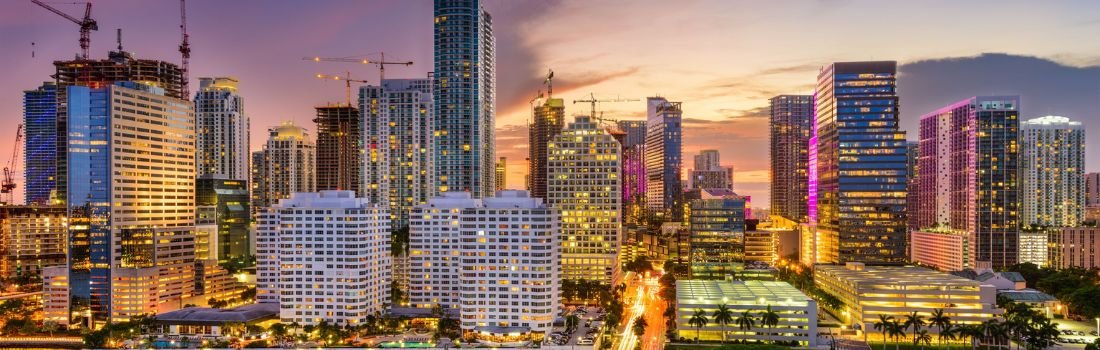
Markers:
(584, 341)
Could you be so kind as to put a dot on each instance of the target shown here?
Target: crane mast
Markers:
(7, 187)
(87, 24)
(185, 50)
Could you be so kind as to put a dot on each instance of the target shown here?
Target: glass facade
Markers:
(717, 234)
(790, 139)
(230, 199)
(861, 165)
(465, 92)
(664, 187)
(40, 149)
(89, 202)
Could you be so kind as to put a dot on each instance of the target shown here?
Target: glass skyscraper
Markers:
(860, 156)
(790, 138)
(664, 189)
(40, 149)
(465, 92)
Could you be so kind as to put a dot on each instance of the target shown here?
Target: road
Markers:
(648, 305)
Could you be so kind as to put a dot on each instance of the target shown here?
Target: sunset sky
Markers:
(723, 59)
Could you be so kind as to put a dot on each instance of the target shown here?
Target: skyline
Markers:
(723, 65)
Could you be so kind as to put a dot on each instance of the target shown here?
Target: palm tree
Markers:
(769, 319)
(973, 332)
(698, 320)
(938, 319)
(915, 321)
(639, 327)
(922, 338)
(723, 316)
(883, 325)
(746, 322)
(947, 333)
(897, 331)
(571, 322)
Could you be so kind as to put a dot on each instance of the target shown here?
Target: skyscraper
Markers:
(131, 211)
(790, 123)
(339, 139)
(465, 97)
(708, 173)
(231, 214)
(502, 174)
(284, 166)
(664, 190)
(717, 229)
(913, 184)
(633, 170)
(859, 154)
(549, 119)
(968, 176)
(397, 132)
(583, 165)
(40, 149)
(1052, 172)
(222, 129)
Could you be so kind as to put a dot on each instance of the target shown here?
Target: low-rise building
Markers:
(797, 312)
(943, 249)
(32, 238)
(209, 323)
(55, 294)
(866, 292)
(1033, 246)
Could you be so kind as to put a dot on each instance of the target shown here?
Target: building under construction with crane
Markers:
(339, 139)
(548, 119)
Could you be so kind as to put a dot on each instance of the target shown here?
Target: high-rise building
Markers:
(31, 239)
(119, 66)
(717, 229)
(528, 286)
(583, 182)
(547, 122)
(524, 287)
(339, 141)
(502, 174)
(40, 148)
(464, 90)
(341, 281)
(790, 123)
(1092, 189)
(968, 176)
(708, 173)
(859, 156)
(398, 164)
(284, 166)
(131, 211)
(1052, 173)
(664, 190)
(222, 129)
(633, 170)
(230, 211)
(911, 180)
(1075, 247)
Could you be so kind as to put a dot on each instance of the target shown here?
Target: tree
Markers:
(921, 338)
(769, 319)
(639, 327)
(973, 332)
(571, 322)
(947, 333)
(914, 321)
(698, 320)
(883, 325)
(1094, 345)
(49, 326)
(746, 322)
(723, 316)
(897, 331)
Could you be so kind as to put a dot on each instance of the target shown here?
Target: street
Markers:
(648, 305)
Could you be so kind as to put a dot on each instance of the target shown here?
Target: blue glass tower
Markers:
(663, 145)
(464, 93)
(40, 149)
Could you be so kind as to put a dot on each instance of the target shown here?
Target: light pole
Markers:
(1098, 326)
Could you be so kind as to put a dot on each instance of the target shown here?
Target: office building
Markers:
(222, 129)
(911, 180)
(131, 211)
(339, 141)
(32, 238)
(1052, 173)
(55, 294)
(119, 66)
(583, 181)
(397, 160)
(1075, 247)
(518, 257)
(790, 122)
(633, 170)
(858, 154)
(284, 166)
(664, 190)
(464, 90)
(502, 174)
(1034, 247)
(709, 173)
(866, 292)
(548, 118)
(959, 142)
(717, 229)
(40, 144)
(229, 212)
(797, 312)
(338, 272)
(1092, 190)
(940, 248)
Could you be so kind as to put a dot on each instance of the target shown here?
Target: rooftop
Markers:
(738, 292)
(1027, 295)
(855, 273)
(208, 316)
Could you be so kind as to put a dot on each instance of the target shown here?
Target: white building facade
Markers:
(286, 165)
(221, 129)
(1052, 172)
(324, 257)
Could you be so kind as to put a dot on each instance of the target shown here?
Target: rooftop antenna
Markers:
(32, 49)
(119, 39)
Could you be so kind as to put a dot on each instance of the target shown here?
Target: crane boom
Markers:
(185, 49)
(382, 63)
(347, 82)
(87, 24)
(593, 101)
(7, 186)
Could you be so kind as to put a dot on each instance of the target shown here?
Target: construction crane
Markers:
(185, 49)
(549, 84)
(382, 63)
(7, 187)
(593, 101)
(86, 25)
(347, 82)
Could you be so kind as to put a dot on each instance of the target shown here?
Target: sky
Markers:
(722, 59)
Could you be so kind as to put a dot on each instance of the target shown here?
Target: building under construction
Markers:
(339, 139)
(119, 66)
(549, 119)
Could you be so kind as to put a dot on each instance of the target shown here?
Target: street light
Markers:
(1098, 325)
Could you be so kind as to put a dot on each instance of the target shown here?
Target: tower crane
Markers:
(7, 186)
(382, 63)
(87, 24)
(185, 49)
(347, 82)
(593, 101)
(549, 83)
